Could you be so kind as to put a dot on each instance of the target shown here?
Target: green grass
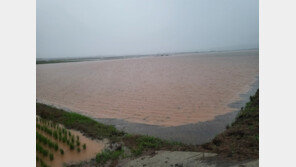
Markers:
(56, 147)
(107, 155)
(42, 150)
(42, 163)
(149, 142)
(145, 143)
(51, 156)
(64, 139)
(141, 143)
(72, 146)
(62, 151)
(240, 140)
(88, 126)
(44, 128)
(46, 141)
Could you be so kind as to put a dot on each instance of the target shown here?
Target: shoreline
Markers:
(195, 133)
(40, 61)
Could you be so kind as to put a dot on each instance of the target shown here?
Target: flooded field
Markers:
(88, 148)
(167, 91)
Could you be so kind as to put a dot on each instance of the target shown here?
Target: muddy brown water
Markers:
(166, 91)
(72, 156)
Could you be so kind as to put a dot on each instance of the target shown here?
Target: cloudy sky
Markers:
(83, 28)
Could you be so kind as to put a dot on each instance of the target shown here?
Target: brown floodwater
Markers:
(72, 156)
(167, 91)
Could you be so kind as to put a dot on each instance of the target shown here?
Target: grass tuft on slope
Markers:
(241, 139)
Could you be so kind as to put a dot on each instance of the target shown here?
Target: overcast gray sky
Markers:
(83, 28)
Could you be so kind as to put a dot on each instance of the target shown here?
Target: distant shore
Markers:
(98, 58)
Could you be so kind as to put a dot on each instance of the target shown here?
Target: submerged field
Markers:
(166, 91)
(57, 145)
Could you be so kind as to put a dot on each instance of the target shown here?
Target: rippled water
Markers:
(167, 91)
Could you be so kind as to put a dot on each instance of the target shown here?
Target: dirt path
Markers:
(183, 159)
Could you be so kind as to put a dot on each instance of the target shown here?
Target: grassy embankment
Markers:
(239, 141)
(138, 144)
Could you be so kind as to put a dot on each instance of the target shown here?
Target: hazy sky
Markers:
(83, 28)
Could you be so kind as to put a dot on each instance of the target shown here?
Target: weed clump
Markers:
(56, 147)
(43, 164)
(40, 149)
(240, 140)
(46, 141)
(106, 155)
(51, 156)
(62, 151)
(71, 146)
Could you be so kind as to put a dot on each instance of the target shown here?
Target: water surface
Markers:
(167, 91)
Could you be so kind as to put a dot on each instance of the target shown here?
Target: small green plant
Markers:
(77, 143)
(65, 131)
(106, 155)
(46, 141)
(64, 139)
(84, 146)
(55, 134)
(56, 147)
(51, 156)
(71, 146)
(42, 163)
(78, 149)
(62, 151)
(149, 142)
(138, 151)
(40, 149)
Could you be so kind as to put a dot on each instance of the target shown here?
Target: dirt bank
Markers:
(184, 159)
